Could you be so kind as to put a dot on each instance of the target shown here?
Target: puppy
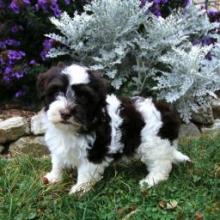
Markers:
(87, 129)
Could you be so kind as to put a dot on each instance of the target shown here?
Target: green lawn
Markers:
(195, 188)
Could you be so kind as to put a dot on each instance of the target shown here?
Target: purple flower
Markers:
(9, 42)
(204, 41)
(19, 93)
(208, 56)
(14, 7)
(16, 28)
(42, 4)
(6, 79)
(2, 45)
(47, 45)
(155, 8)
(26, 2)
(143, 2)
(12, 42)
(18, 75)
(1, 61)
(7, 74)
(212, 12)
(157, 4)
(2, 4)
(8, 70)
(186, 3)
(15, 55)
(214, 15)
(49, 5)
(67, 2)
(160, 1)
(208, 41)
(55, 8)
(33, 62)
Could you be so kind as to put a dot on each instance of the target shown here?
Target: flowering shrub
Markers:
(175, 56)
(23, 46)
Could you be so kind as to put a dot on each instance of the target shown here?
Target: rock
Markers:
(1, 148)
(188, 130)
(203, 117)
(216, 108)
(214, 129)
(38, 125)
(13, 128)
(32, 145)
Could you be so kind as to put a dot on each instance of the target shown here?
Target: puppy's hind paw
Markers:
(180, 157)
(145, 184)
(152, 180)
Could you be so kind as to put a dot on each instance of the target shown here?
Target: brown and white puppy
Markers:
(87, 129)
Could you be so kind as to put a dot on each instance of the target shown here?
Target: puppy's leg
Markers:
(158, 171)
(180, 157)
(88, 175)
(55, 174)
(157, 154)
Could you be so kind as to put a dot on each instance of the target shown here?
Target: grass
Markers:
(195, 189)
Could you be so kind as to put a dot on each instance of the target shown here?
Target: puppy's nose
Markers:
(65, 115)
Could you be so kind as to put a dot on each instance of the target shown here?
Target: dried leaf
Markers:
(128, 216)
(171, 204)
(199, 216)
(162, 204)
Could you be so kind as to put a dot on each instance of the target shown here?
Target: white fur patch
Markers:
(77, 74)
(113, 107)
(69, 149)
(151, 116)
(53, 113)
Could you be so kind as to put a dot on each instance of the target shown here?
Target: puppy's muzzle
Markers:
(65, 114)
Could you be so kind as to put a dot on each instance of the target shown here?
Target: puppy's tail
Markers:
(180, 157)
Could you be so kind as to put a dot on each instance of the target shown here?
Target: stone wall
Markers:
(23, 134)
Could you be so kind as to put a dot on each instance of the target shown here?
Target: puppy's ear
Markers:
(44, 78)
(102, 84)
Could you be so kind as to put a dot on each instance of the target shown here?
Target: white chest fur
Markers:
(65, 144)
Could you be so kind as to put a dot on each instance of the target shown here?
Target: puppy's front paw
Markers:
(80, 189)
(50, 178)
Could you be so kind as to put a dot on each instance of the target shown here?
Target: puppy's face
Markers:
(73, 95)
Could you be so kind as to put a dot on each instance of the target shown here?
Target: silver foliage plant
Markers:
(137, 50)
